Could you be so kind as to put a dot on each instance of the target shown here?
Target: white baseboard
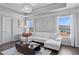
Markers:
(77, 46)
(64, 43)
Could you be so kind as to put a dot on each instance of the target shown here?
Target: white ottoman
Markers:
(53, 44)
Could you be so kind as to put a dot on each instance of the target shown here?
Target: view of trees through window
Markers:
(64, 24)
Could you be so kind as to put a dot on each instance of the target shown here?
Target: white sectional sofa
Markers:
(53, 44)
(50, 40)
(40, 36)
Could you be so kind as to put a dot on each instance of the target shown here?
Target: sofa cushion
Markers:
(39, 39)
(53, 36)
(41, 34)
(52, 44)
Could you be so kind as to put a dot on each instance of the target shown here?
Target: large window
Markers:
(29, 24)
(64, 26)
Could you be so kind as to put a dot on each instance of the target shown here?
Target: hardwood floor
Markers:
(7, 46)
(68, 50)
(64, 50)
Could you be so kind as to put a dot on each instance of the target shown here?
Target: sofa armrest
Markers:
(59, 39)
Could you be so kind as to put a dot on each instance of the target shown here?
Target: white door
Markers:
(6, 29)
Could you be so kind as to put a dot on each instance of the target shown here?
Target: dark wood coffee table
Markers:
(25, 49)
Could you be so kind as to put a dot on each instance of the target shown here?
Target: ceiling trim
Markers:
(73, 9)
(45, 6)
(38, 9)
(9, 9)
(49, 9)
(36, 12)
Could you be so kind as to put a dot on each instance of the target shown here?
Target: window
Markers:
(29, 24)
(64, 26)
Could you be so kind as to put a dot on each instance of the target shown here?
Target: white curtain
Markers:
(74, 39)
(76, 29)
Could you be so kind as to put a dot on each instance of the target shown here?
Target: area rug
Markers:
(13, 51)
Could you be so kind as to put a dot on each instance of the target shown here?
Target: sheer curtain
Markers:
(75, 29)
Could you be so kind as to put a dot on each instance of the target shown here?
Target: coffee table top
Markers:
(33, 44)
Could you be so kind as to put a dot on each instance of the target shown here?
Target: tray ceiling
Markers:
(37, 7)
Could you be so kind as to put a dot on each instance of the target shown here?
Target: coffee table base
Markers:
(25, 49)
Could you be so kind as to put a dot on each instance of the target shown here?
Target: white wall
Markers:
(44, 24)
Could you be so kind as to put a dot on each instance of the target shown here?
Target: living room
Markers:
(32, 29)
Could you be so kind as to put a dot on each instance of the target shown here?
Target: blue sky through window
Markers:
(64, 20)
(30, 23)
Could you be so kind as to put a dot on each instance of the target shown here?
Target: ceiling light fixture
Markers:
(27, 8)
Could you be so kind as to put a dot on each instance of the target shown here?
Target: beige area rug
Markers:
(13, 51)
